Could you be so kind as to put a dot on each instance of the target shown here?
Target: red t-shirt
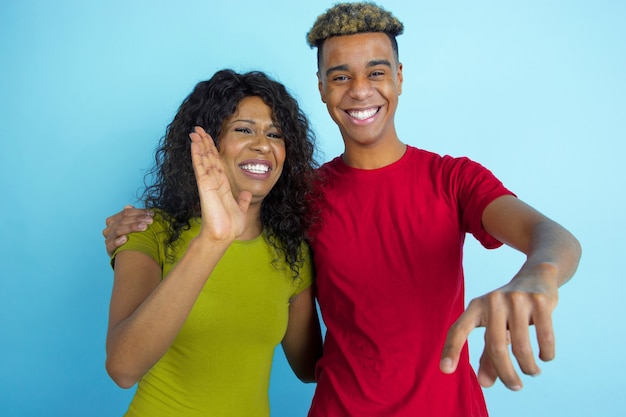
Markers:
(388, 257)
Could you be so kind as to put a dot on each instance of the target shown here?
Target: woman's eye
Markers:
(275, 135)
(242, 130)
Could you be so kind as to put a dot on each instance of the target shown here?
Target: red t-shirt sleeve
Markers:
(477, 187)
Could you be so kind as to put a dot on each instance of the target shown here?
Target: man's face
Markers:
(360, 81)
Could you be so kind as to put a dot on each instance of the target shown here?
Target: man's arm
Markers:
(529, 298)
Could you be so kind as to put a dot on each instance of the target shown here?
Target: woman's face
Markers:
(252, 149)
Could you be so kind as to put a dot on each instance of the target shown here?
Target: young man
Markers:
(388, 248)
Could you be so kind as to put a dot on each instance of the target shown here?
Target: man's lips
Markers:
(363, 114)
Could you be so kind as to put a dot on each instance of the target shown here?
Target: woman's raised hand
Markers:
(223, 217)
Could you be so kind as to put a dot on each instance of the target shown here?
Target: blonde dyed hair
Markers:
(352, 18)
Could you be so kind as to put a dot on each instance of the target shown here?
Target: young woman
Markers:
(222, 274)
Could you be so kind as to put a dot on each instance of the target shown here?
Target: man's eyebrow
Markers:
(377, 62)
(337, 68)
(370, 64)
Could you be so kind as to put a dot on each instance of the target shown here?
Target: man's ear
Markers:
(320, 87)
(400, 78)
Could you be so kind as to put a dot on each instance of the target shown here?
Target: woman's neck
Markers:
(254, 226)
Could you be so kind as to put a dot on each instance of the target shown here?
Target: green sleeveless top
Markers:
(219, 364)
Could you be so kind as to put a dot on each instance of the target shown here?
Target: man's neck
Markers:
(373, 157)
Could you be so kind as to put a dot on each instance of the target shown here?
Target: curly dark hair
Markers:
(352, 18)
(171, 183)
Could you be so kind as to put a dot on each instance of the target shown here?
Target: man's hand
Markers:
(506, 314)
(119, 225)
(552, 256)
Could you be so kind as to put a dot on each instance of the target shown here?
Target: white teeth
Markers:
(363, 114)
(256, 168)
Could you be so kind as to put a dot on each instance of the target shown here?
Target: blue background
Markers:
(534, 90)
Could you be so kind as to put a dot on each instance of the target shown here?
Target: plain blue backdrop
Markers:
(534, 90)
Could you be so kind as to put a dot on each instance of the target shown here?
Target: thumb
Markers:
(456, 339)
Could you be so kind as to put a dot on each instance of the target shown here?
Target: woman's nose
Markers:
(261, 143)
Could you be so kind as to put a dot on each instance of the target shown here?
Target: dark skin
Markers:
(360, 79)
(118, 226)
(359, 75)
(147, 312)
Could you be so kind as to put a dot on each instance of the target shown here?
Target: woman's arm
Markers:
(302, 343)
(146, 313)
